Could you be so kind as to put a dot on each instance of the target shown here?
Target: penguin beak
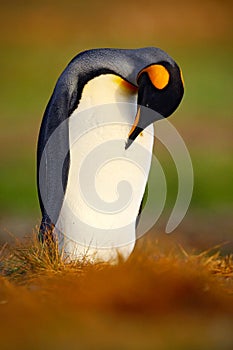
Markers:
(135, 130)
(144, 117)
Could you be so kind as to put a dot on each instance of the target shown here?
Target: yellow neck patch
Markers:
(125, 84)
(158, 75)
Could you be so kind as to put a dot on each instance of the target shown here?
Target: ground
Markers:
(163, 297)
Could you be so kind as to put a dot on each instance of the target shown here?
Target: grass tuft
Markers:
(156, 289)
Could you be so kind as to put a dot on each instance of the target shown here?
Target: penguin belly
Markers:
(105, 183)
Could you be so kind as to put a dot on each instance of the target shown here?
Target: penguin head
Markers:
(160, 91)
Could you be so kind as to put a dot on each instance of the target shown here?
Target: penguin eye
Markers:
(158, 74)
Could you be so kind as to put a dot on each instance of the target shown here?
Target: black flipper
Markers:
(142, 205)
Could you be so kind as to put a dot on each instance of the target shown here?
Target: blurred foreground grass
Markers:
(162, 297)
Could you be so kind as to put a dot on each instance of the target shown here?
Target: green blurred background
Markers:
(38, 39)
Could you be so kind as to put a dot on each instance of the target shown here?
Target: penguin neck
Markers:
(89, 65)
(106, 89)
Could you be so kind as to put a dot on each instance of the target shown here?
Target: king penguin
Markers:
(95, 148)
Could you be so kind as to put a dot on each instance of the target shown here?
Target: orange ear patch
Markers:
(158, 75)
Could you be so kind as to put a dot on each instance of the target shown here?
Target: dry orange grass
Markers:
(160, 298)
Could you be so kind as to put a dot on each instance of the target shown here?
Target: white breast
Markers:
(106, 183)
